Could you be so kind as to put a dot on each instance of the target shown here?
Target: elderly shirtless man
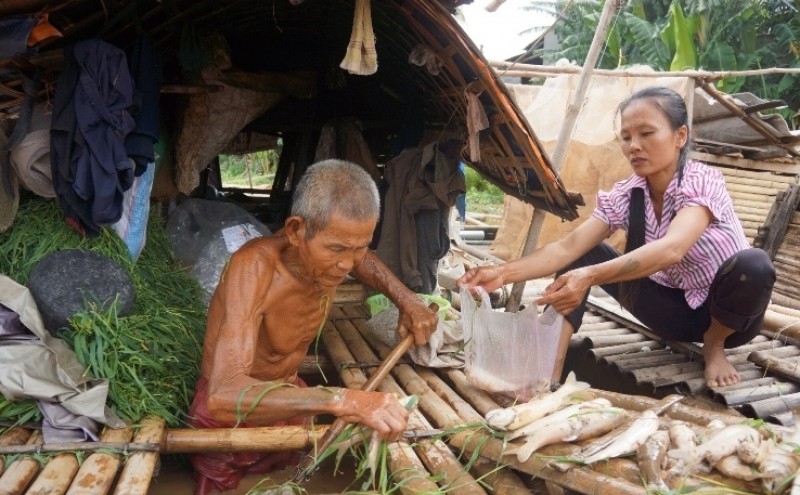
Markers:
(270, 305)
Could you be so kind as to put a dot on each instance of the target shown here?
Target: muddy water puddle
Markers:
(175, 478)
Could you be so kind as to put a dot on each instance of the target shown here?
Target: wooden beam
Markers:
(778, 220)
(757, 124)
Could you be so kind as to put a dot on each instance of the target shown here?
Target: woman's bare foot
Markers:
(719, 371)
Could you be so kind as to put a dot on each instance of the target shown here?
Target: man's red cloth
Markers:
(221, 471)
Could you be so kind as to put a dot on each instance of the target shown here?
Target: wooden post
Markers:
(777, 220)
(560, 151)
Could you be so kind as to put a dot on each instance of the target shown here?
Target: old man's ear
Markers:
(295, 229)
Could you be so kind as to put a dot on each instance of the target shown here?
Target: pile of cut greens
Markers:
(151, 357)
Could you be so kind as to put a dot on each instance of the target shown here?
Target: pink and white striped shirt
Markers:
(701, 186)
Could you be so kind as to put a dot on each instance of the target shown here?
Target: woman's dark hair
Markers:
(674, 108)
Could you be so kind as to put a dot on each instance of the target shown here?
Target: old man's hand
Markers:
(417, 318)
(378, 410)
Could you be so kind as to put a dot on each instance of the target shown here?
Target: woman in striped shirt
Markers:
(687, 273)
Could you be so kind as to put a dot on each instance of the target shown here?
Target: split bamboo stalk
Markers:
(435, 454)
(751, 217)
(581, 480)
(14, 436)
(752, 206)
(22, 471)
(776, 366)
(765, 183)
(761, 212)
(784, 310)
(603, 333)
(502, 480)
(697, 383)
(139, 468)
(743, 188)
(781, 323)
(644, 361)
(616, 339)
(403, 461)
(773, 405)
(480, 400)
(612, 350)
(98, 471)
(602, 325)
(785, 179)
(678, 411)
(757, 393)
(738, 196)
(783, 300)
(56, 476)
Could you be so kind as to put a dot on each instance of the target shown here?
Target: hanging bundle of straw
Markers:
(361, 57)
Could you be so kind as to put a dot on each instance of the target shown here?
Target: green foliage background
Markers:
(716, 35)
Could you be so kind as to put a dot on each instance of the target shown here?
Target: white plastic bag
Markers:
(509, 353)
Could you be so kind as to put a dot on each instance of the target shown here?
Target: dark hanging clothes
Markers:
(91, 169)
(65, 144)
(145, 68)
(433, 242)
(14, 32)
(423, 185)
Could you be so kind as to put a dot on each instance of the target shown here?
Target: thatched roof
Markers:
(313, 35)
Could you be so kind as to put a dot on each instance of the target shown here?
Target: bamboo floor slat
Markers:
(102, 472)
(464, 463)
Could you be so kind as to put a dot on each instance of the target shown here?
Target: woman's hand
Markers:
(488, 277)
(567, 291)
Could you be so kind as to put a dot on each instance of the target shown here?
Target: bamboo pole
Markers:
(552, 70)
(22, 471)
(260, 439)
(560, 152)
(502, 480)
(137, 473)
(56, 476)
(98, 471)
(435, 454)
(678, 411)
(407, 468)
(776, 366)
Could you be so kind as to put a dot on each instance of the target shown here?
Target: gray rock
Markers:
(63, 282)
